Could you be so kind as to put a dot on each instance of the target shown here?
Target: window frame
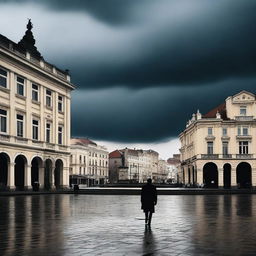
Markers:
(48, 132)
(3, 117)
(35, 129)
(4, 77)
(20, 125)
(33, 90)
(48, 96)
(19, 85)
(210, 149)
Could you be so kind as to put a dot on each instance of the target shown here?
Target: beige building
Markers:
(88, 162)
(140, 165)
(219, 149)
(173, 168)
(34, 117)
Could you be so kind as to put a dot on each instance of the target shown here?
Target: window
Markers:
(20, 125)
(84, 159)
(3, 120)
(3, 78)
(209, 147)
(209, 130)
(243, 147)
(60, 130)
(80, 170)
(35, 128)
(243, 110)
(225, 148)
(48, 98)
(80, 159)
(48, 133)
(20, 86)
(224, 132)
(242, 130)
(35, 92)
(60, 103)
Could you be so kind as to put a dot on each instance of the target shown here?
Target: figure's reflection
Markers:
(149, 245)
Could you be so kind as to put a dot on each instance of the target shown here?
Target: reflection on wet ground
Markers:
(114, 225)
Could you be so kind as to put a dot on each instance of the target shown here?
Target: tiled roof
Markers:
(82, 141)
(221, 109)
(115, 154)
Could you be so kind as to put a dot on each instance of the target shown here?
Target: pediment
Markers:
(243, 97)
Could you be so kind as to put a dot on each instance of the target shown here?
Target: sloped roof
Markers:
(82, 141)
(221, 109)
(115, 154)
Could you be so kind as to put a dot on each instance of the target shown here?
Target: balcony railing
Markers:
(209, 156)
(244, 156)
(244, 118)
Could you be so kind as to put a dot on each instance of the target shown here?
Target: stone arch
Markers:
(19, 171)
(244, 175)
(58, 173)
(227, 175)
(210, 175)
(4, 166)
(37, 172)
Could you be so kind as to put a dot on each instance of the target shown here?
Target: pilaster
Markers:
(10, 179)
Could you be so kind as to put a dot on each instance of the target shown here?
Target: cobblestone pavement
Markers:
(114, 225)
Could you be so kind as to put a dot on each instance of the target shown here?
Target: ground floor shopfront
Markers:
(87, 180)
(23, 169)
(220, 174)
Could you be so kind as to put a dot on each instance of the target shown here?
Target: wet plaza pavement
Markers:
(113, 225)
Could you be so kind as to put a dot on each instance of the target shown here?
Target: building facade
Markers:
(219, 149)
(34, 118)
(88, 162)
(140, 165)
(173, 169)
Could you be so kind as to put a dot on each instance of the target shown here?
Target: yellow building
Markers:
(34, 118)
(218, 149)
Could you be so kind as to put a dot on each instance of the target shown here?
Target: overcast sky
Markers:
(142, 67)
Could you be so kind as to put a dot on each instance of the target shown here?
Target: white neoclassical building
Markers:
(139, 165)
(34, 117)
(219, 149)
(88, 162)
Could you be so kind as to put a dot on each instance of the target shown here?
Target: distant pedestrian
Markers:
(148, 200)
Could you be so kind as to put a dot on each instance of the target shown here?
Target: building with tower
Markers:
(34, 117)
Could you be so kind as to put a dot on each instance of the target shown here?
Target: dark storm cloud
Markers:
(148, 115)
(181, 42)
(217, 43)
(143, 67)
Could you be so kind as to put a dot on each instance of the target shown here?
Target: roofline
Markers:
(11, 54)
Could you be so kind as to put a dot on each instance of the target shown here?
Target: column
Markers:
(220, 177)
(199, 176)
(233, 178)
(254, 178)
(52, 185)
(27, 177)
(65, 179)
(10, 179)
(41, 177)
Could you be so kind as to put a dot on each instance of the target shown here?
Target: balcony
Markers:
(209, 156)
(244, 118)
(4, 137)
(244, 156)
(210, 137)
(243, 137)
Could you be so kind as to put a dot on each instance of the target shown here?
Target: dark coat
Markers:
(148, 198)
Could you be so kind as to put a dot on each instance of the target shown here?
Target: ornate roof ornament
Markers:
(27, 43)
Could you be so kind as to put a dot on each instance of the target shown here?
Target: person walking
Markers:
(148, 200)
